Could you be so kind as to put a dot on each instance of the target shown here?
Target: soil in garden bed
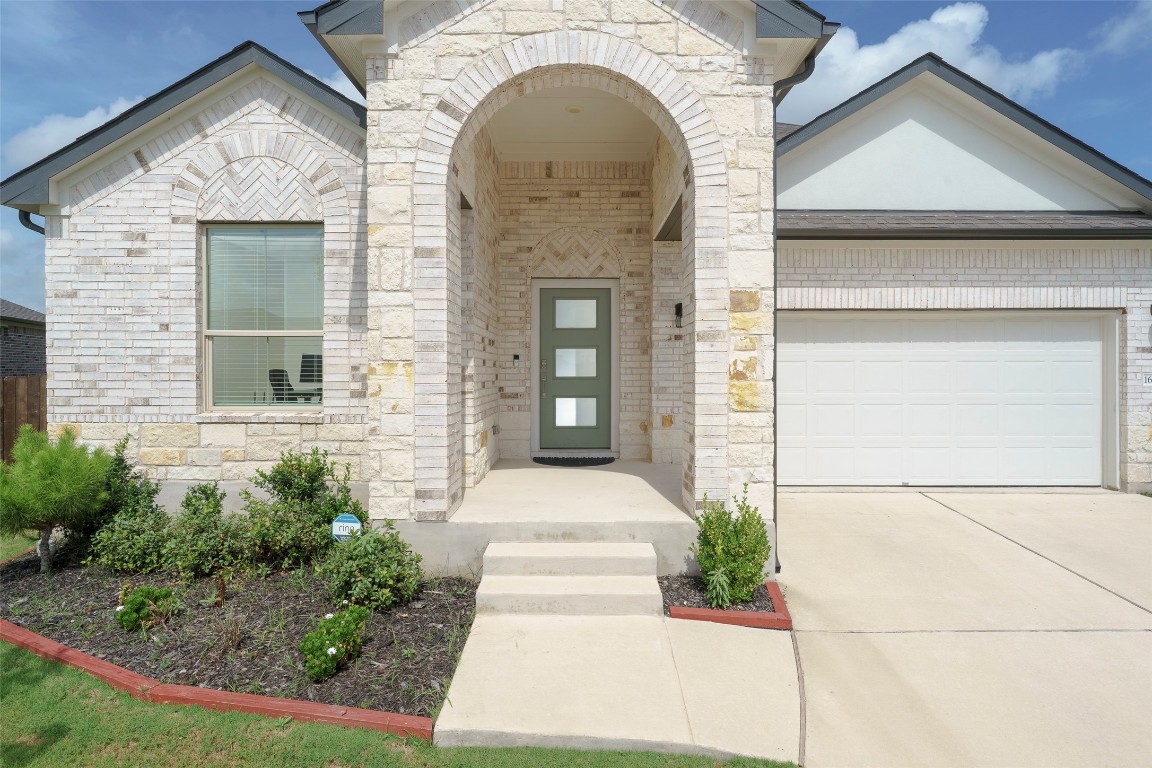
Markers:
(250, 644)
(689, 592)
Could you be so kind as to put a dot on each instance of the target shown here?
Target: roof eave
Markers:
(933, 64)
(28, 189)
(964, 234)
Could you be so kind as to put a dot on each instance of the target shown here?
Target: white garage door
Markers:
(919, 398)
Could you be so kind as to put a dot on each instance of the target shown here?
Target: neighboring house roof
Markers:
(10, 310)
(1015, 225)
(28, 189)
(786, 129)
(933, 64)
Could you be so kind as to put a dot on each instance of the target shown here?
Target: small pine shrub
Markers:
(335, 641)
(731, 550)
(375, 569)
(145, 607)
(126, 488)
(202, 541)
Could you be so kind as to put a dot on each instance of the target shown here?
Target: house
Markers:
(555, 231)
(21, 340)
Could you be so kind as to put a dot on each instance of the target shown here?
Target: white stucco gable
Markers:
(926, 144)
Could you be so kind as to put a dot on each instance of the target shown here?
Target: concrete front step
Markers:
(569, 559)
(570, 595)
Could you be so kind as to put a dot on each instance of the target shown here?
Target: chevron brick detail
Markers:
(259, 189)
(576, 252)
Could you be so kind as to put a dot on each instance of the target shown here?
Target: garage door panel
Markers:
(972, 400)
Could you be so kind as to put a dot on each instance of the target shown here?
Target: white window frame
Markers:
(207, 335)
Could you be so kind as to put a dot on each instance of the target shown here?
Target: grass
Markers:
(58, 716)
(14, 545)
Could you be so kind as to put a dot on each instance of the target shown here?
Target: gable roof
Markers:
(933, 64)
(10, 310)
(28, 188)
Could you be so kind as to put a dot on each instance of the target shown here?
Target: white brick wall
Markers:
(996, 275)
(123, 262)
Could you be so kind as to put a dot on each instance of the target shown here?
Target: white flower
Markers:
(343, 602)
(332, 651)
(327, 615)
(119, 608)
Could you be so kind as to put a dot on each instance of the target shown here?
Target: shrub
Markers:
(145, 607)
(51, 484)
(731, 550)
(335, 641)
(293, 526)
(127, 488)
(202, 540)
(375, 569)
(134, 540)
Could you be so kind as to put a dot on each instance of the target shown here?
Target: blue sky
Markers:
(68, 66)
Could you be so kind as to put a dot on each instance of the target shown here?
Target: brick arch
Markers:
(575, 252)
(537, 62)
(265, 176)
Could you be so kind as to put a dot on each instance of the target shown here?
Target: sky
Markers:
(67, 66)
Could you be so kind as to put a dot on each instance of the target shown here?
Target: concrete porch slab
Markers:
(520, 501)
(630, 682)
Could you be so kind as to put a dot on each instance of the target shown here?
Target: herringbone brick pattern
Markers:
(259, 189)
(576, 252)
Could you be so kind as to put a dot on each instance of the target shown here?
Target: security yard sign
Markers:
(345, 527)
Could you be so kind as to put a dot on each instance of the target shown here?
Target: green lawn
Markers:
(57, 716)
(14, 545)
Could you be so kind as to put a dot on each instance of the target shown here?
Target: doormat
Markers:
(573, 461)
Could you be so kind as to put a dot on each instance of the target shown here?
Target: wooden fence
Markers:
(23, 400)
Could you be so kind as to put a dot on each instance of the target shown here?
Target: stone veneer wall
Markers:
(996, 275)
(565, 220)
(123, 263)
(683, 65)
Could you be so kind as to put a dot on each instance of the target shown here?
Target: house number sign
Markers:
(345, 527)
(1148, 379)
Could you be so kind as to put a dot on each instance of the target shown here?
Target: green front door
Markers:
(575, 368)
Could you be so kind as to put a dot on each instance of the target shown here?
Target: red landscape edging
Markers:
(777, 619)
(147, 689)
(18, 555)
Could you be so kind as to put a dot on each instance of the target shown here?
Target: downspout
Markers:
(782, 88)
(27, 223)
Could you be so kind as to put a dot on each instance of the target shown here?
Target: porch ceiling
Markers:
(571, 123)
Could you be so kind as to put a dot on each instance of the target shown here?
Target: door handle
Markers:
(543, 375)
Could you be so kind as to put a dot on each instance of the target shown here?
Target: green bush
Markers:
(202, 541)
(145, 607)
(133, 529)
(134, 540)
(51, 485)
(731, 550)
(305, 494)
(375, 569)
(335, 641)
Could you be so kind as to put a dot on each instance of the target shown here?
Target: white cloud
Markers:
(56, 131)
(1124, 33)
(845, 68)
(340, 82)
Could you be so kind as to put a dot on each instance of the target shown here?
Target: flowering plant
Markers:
(335, 641)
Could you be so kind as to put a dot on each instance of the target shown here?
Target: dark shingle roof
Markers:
(784, 130)
(810, 224)
(10, 310)
(28, 188)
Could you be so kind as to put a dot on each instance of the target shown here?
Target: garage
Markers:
(979, 398)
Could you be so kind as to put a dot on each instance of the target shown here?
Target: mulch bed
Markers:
(249, 644)
(688, 591)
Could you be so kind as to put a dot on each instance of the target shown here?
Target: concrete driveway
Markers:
(971, 629)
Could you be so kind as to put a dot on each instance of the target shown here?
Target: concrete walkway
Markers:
(971, 629)
(624, 682)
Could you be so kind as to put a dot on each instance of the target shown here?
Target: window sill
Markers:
(260, 417)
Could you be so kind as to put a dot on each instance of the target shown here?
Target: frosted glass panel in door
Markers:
(572, 363)
(575, 411)
(575, 313)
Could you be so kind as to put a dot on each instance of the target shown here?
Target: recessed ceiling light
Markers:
(575, 110)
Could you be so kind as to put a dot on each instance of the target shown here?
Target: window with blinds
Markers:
(264, 316)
